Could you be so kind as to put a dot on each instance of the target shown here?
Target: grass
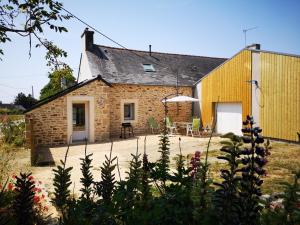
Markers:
(282, 163)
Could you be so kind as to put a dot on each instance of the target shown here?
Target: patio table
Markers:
(183, 125)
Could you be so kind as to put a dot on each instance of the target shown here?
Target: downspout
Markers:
(193, 104)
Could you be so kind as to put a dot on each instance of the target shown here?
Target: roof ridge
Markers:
(274, 52)
(165, 53)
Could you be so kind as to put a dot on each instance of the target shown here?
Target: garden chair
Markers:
(153, 125)
(170, 126)
(194, 127)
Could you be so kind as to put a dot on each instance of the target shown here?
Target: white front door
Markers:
(229, 118)
(79, 121)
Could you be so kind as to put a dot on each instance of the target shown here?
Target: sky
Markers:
(195, 27)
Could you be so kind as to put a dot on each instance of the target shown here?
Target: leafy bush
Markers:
(7, 156)
(22, 201)
(13, 132)
(5, 111)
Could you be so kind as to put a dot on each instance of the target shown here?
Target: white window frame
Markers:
(135, 113)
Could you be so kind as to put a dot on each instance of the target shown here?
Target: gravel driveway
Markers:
(122, 149)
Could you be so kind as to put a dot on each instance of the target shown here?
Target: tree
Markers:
(25, 101)
(29, 18)
(59, 79)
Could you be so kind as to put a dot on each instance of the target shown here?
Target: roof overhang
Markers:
(66, 91)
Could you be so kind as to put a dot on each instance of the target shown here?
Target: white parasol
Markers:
(181, 98)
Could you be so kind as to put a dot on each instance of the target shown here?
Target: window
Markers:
(129, 111)
(148, 68)
(78, 117)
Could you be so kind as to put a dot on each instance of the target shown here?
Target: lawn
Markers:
(283, 161)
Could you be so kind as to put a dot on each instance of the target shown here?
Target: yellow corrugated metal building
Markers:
(253, 82)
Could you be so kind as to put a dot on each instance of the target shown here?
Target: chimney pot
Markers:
(150, 50)
(254, 46)
(88, 39)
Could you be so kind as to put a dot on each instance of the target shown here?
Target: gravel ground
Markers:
(123, 150)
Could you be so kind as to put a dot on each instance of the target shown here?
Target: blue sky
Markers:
(208, 28)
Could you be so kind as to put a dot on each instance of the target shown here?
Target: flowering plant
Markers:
(40, 202)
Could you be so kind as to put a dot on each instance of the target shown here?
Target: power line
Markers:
(7, 86)
(107, 37)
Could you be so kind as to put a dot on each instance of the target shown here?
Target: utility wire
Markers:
(7, 86)
(107, 37)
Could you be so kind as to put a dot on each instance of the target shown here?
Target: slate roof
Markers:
(11, 106)
(118, 65)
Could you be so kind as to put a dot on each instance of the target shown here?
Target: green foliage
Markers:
(25, 101)
(160, 171)
(145, 178)
(6, 111)
(253, 159)
(87, 176)
(7, 156)
(287, 211)
(226, 198)
(29, 19)
(23, 202)
(291, 201)
(56, 79)
(13, 132)
(61, 183)
(106, 186)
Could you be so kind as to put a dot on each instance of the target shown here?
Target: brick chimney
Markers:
(87, 40)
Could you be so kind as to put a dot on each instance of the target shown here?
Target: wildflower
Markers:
(260, 151)
(40, 182)
(36, 199)
(30, 178)
(259, 171)
(10, 186)
(197, 154)
(260, 161)
(245, 161)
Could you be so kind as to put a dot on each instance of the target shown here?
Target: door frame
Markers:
(89, 100)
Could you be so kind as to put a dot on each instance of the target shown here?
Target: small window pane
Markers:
(148, 68)
(129, 111)
(78, 117)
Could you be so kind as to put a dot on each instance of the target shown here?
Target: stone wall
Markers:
(49, 121)
(149, 105)
(50, 125)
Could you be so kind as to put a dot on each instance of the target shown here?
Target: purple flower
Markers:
(260, 151)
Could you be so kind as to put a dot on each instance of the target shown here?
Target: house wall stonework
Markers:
(149, 105)
(50, 121)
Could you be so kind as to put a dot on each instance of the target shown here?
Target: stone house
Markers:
(114, 86)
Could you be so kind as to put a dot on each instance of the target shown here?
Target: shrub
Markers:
(7, 156)
(22, 201)
(13, 132)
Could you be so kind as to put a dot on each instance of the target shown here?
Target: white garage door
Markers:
(229, 118)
